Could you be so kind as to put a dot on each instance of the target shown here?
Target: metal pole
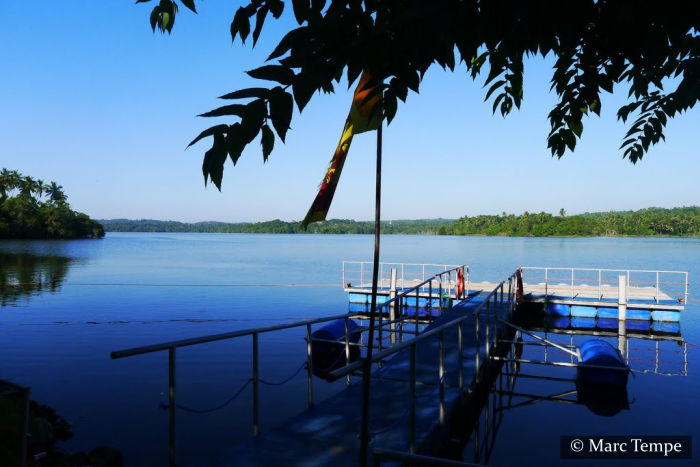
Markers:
(256, 419)
(441, 369)
(412, 408)
(622, 315)
(171, 400)
(657, 286)
(367, 368)
(478, 349)
(309, 366)
(460, 361)
(347, 350)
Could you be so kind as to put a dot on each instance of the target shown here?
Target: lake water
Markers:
(136, 289)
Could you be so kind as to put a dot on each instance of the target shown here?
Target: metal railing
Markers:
(359, 273)
(254, 333)
(396, 326)
(648, 285)
(487, 314)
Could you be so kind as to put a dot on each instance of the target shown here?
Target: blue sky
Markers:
(92, 99)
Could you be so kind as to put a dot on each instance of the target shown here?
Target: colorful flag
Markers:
(364, 115)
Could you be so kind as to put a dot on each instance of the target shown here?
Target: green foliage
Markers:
(682, 222)
(333, 226)
(25, 215)
(597, 44)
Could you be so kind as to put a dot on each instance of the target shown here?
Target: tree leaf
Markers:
(279, 73)
(301, 10)
(276, 7)
(288, 41)
(390, 107)
(259, 21)
(303, 90)
(240, 24)
(213, 164)
(217, 129)
(268, 141)
(261, 93)
(189, 4)
(155, 13)
(281, 109)
(232, 109)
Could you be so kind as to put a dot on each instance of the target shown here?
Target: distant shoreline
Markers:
(679, 222)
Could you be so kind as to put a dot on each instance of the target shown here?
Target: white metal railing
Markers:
(648, 285)
(358, 274)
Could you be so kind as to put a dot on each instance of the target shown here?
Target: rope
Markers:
(203, 411)
(286, 380)
(232, 398)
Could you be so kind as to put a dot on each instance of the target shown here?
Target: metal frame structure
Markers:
(604, 281)
(359, 273)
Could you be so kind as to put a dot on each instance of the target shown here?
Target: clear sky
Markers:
(95, 101)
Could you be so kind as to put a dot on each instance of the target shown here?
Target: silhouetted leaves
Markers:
(281, 109)
(268, 141)
(279, 73)
(213, 164)
(596, 44)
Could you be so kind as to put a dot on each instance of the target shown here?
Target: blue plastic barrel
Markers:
(558, 309)
(602, 353)
(327, 356)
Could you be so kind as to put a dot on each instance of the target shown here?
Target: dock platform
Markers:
(327, 434)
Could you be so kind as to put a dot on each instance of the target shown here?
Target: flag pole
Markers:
(367, 367)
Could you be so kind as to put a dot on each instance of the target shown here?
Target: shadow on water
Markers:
(24, 275)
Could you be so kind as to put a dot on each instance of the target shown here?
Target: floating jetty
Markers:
(441, 341)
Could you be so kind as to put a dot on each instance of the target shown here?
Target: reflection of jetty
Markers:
(439, 346)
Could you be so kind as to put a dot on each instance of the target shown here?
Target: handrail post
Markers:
(412, 407)
(256, 419)
(347, 350)
(572, 283)
(171, 399)
(460, 361)
(441, 369)
(416, 312)
(478, 349)
(430, 298)
(488, 324)
(657, 286)
(309, 366)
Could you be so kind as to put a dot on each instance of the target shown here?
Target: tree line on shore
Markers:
(30, 208)
(680, 222)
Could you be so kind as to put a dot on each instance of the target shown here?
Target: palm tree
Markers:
(39, 189)
(27, 186)
(9, 180)
(55, 193)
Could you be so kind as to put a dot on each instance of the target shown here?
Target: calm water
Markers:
(135, 289)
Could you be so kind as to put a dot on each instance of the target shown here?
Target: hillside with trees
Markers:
(677, 222)
(332, 226)
(30, 208)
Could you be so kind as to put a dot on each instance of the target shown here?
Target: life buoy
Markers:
(459, 287)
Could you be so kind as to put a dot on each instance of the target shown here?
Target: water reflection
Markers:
(537, 373)
(23, 275)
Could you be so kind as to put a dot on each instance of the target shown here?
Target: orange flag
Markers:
(364, 115)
